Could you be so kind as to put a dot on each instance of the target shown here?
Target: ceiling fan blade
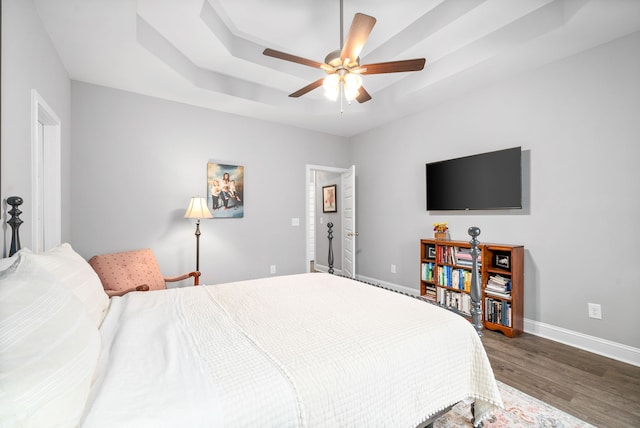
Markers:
(288, 57)
(310, 87)
(363, 95)
(356, 38)
(394, 66)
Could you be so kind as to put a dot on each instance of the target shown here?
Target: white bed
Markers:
(309, 350)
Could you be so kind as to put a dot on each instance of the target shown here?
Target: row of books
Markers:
(498, 286)
(458, 256)
(428, 272)
(454, 299)
(497, 311)
(451, 277)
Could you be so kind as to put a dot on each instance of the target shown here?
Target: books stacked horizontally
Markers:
(430, 292)
(463, 257)
(498, 286)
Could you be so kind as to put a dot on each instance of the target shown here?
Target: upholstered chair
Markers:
(135, 270)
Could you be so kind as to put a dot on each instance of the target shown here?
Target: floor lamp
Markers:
(198, 209)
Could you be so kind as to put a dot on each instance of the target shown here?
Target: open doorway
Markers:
(342, 218)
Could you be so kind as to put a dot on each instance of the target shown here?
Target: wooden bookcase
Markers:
(445, 279)
(503, 261)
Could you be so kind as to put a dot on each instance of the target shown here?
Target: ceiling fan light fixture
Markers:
(343, 65)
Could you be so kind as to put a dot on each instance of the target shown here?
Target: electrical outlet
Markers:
(393, 268)
(595, 310)
(273, 268)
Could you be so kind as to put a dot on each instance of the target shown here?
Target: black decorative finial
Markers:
(330, 236)
(14, 222)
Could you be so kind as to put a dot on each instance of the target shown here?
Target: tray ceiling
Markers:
(208, 53)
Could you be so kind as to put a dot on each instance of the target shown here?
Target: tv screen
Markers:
(480, 182)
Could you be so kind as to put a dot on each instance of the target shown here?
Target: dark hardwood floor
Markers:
(596, 389)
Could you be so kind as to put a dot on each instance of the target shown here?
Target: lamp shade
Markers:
(198, 209)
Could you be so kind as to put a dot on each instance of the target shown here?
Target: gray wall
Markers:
(29, 61)
(577, 122)
(136, 162)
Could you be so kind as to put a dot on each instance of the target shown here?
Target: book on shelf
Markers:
(497, 294)
(459, 256)
(431, 295)
(455, 300)
(497, 311)
(428, 271)
(499, 283)
(499, 280)
(449, 276)
(498, 286)
(444, 255)
(463, 257)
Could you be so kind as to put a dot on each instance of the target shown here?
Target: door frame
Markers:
(310, 214)
(45, 168)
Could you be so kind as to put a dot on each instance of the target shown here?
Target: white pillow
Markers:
(48, 350)
(76, 275)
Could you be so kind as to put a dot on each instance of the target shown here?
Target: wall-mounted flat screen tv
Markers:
(486, 181)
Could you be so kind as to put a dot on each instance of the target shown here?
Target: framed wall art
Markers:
(225, 190)
(329, 204)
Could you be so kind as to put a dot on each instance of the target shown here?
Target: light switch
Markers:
(295, 221)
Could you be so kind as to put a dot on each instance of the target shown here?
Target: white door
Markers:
(349, 233)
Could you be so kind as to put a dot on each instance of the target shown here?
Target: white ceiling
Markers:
(209, 52)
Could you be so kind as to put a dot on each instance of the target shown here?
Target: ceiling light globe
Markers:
(350, 93)
(331, 82)
(353, 80)
(331, 85)
(332, 94)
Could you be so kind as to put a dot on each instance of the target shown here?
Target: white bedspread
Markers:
(310, 350)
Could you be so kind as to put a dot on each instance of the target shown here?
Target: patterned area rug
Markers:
(520, 411)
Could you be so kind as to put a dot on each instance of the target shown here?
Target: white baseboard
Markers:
(617, 351)
(396, 287)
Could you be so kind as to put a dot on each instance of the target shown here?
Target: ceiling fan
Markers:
(343, 66)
